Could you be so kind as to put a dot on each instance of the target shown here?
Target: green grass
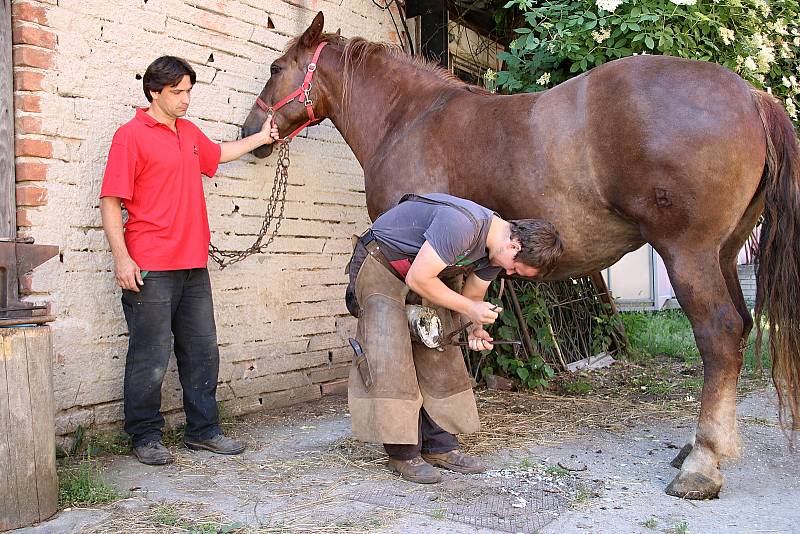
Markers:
(579, 387)
(670, 333)
(651, 523)
(653, 386)
(680, 528)
(168, 515)
(82, 483)
(581, 497)
(556, 471)
(100, 444)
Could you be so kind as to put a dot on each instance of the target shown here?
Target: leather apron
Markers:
(403, 375)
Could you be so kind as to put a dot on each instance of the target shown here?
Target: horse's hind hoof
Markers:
(695, 486)
(677, 462)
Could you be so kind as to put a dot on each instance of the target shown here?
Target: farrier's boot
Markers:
(455, 460)
(415, 470)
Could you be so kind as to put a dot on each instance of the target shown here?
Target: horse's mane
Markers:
(357, 49)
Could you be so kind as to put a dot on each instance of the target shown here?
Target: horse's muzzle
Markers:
(263, 151)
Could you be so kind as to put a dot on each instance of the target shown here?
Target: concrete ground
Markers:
(303, 473)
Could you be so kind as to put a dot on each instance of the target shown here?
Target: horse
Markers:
(684, 155)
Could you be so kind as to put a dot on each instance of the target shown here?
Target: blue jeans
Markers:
(173, 309)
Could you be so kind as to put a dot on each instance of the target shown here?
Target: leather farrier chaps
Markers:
(405, 375)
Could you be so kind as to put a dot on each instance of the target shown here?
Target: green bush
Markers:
(757, 39)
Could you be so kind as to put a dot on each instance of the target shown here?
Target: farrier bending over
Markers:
(409, 397)
(160, 260)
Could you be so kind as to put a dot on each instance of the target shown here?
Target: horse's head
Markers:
(287, 74)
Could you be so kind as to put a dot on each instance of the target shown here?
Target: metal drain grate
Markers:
(500, 502)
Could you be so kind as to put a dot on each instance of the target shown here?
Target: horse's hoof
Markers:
(695, 486)
(677, 462)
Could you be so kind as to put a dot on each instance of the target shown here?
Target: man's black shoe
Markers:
(153, 453)
(220, 444)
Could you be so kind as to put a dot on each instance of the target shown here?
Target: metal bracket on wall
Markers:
(17, 258)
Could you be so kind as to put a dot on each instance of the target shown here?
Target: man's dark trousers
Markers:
(432, 439)
(171, 305)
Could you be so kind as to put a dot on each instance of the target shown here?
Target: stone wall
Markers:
(281, 319)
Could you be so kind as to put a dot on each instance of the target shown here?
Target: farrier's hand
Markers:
(479, 339)
(128, 274)
(270, 130)
(481, 312)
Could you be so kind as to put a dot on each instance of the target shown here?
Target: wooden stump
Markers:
(27, 428)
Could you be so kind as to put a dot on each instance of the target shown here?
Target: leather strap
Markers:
(302, 94)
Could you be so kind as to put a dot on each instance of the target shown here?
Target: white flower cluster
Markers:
(779, 27)
(544, 79)
(763, 6)
(601, 35)
(765, 54)
(726, 35)
(608, 5)
(791, 107)
(684, 2)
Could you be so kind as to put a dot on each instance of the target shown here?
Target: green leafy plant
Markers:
(757, 39)
(565, 320)
(534, 371)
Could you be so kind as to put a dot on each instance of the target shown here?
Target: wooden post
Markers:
(8, 202)
(27, 428)
(523, 323)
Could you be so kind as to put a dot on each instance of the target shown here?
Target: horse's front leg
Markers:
(718, 328)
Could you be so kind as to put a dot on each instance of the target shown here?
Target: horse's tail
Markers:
(778, 282)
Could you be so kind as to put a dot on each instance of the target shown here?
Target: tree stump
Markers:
(27, 428)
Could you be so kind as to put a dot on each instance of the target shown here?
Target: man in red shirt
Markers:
(160, 259)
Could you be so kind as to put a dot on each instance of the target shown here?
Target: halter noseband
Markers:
(302, 94)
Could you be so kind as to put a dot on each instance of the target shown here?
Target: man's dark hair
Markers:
(166, 71)
(541, 244)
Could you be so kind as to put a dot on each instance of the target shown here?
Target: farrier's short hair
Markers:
(166, 71)
(540, 242)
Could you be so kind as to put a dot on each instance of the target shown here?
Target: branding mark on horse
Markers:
(662, 198)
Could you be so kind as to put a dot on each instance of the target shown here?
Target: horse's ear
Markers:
(339, 32)
(313, 32)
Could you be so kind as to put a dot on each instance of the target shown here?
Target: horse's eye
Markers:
(274, 69)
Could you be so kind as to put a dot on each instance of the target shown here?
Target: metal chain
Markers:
(277, 200)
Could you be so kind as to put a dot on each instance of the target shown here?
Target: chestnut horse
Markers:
(681, 154)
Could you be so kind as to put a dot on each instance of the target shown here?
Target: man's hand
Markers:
(231, 150)
(479, 339)
(270, 130)
(128, 274)
(481, 312)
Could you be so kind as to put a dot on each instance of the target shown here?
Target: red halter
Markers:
(302, 94)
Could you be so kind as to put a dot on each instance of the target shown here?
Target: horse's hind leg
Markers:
(728, 260)
(702, 290)
(728, 256)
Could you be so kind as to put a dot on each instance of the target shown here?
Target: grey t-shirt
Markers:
(456, 229)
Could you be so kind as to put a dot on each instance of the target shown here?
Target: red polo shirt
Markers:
(157, 173)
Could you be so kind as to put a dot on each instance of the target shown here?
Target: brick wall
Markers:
(281, 321)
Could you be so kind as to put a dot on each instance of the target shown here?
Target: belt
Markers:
(373, 246)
